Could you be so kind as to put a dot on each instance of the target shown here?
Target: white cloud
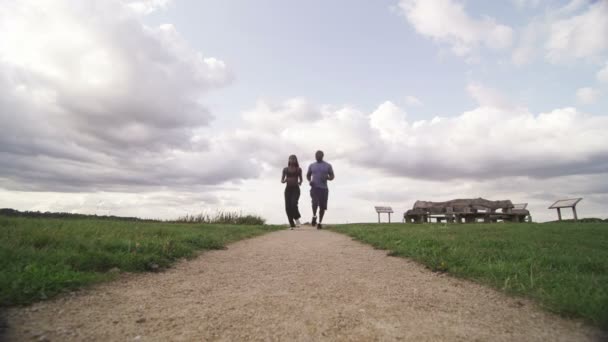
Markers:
(146, 6)
(389, 121)
(602, 75)
(579, 36)
(488, 97)
(412, 101)
(105, 103)
(447, 21)
(587, 95)
(494, 140)
(577, 30)
(573, 6)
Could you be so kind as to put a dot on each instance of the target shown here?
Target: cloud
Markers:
(388, 121)
(413, 101)
(146, 6)
(494, 140)
(582, 35)
(447, 21)
(587, 95)
(574, 31)
(488, 97)
(107, 103)
(602, 75)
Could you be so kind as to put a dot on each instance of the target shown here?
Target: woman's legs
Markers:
(292, 196)
(295, 199)
(288, 205)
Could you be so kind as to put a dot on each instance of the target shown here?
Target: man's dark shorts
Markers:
(319, 197)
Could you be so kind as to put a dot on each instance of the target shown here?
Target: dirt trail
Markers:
(301, 285)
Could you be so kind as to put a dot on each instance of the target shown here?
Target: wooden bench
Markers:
(468, 210)
(520, 213)
(384, 210)
(566, 203)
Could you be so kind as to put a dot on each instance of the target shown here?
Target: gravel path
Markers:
(300, 285)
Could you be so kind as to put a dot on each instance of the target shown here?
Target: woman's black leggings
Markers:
(292, 196)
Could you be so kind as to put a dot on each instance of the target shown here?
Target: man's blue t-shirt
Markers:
(320, 171)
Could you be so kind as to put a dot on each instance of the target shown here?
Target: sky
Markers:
(161, 108)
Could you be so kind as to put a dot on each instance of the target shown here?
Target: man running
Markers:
(318, 174)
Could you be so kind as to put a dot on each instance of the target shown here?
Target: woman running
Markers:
(292, 176)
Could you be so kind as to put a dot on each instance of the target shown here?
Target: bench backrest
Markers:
(384, 209)
(520, 206)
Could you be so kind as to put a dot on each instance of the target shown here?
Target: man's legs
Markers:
(315, 205)
(322, 200)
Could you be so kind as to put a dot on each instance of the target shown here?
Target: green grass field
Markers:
(563, 266)
(42, 257)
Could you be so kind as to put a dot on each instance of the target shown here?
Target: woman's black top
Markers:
(292, 175)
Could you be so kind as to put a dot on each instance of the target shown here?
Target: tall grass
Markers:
(564, 266)
(42, 257)
(219, 217)
(222, 217)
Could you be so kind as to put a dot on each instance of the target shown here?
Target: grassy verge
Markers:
(223, 217)
(564, 266)
(41, 257)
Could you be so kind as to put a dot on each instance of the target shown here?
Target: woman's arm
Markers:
(284, 176)
(300, 176)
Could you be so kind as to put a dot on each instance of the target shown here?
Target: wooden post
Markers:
(559, 213)
(574, 211)
(389, 217)
(378, 217)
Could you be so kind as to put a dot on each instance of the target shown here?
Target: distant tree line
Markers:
(48, 214)
(220, 217)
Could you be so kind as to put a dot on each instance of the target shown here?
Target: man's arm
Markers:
(309, 174)
(330, 173)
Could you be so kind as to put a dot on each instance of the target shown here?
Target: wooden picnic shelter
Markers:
(467, 210)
